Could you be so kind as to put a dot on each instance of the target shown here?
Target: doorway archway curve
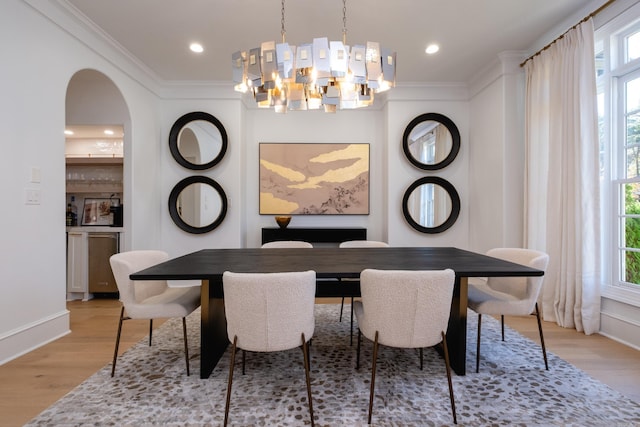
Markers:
(94, 99)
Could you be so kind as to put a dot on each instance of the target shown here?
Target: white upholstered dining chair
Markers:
(405, 309)
(152, 299)
(287, 244)
(512, 296)
(358, 244)
(269, 312)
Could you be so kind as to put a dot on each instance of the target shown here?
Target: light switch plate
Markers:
(32, 196)
(35, 174)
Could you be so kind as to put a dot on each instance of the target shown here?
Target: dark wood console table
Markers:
(313, 235)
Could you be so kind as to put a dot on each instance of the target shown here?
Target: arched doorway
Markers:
(97, 124)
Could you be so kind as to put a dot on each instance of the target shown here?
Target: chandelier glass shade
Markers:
(321, 74)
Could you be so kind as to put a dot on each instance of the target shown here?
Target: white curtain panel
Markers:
(562, 216)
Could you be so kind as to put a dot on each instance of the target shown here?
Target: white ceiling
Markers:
(471, 32)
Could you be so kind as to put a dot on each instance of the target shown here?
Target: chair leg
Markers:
(358, 351)
(244, 360)
(544, 350)
(115, 352)
(478, 344)
(351, 330)
(421, 358)
(341, 308)
(502, 324)
(308, 359)
(446, 361)
(307, 368)
(231, 364)
(373, 376)
(150, 330)
(186, 345)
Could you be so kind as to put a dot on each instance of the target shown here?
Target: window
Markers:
(632, 47)
(617, 68)
(629, 178)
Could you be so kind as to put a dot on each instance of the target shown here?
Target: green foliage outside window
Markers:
(632, 236)
(632, 200)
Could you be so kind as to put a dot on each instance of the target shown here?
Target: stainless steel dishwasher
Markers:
(101, 246)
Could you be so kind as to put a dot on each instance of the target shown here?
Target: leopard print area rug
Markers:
(151, 388)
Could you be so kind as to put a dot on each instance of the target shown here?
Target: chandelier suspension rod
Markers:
(344, 22)
(282, 31)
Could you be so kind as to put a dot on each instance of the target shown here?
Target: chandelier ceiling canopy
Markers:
(321, 74)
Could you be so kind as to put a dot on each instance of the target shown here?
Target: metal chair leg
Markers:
(446, 361)
(307, 368)
(244, 360)
(358, 352)
(150, 331)
(502, 324)
(351, 330)
(544, 350)
(341, 308)
(421, 358)
(373, 376)
(478, 344)
(231, 364)
(115, 352)
(186, 345)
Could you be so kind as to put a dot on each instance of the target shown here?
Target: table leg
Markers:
(457, 331)
(213, 330)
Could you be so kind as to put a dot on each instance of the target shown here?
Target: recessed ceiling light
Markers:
(432, 48)
(108, 132)
(196, 47)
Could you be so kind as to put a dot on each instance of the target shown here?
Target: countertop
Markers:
(96, 229)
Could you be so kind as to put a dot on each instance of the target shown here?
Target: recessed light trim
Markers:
(196, 47)
(432, 48)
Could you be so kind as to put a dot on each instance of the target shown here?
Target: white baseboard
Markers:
(34, 335)
(620, 329)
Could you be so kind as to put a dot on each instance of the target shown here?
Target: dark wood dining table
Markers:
(329, 263)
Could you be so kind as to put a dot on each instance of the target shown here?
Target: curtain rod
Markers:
(591, 15)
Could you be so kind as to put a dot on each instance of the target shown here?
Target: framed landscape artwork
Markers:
(314, 179)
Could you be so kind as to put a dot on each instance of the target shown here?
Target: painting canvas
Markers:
(314, 179)
(97, 211)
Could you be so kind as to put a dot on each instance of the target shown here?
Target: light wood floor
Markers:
(33, 382)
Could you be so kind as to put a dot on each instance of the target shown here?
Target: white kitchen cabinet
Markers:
(77, 266)
(78, 274)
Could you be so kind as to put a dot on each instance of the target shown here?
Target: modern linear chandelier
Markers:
(321, 74)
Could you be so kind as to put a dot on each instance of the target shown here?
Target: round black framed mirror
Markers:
(431, 205)
(431, 141)
(198, 141)
(197, 204)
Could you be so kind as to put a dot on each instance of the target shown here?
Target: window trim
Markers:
(611, 38)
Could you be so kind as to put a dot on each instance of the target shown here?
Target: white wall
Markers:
(352, 126)
(38, 61)
(248, 126)
(403, 106)
(32, 108)
(496, 155)
(228, 173)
